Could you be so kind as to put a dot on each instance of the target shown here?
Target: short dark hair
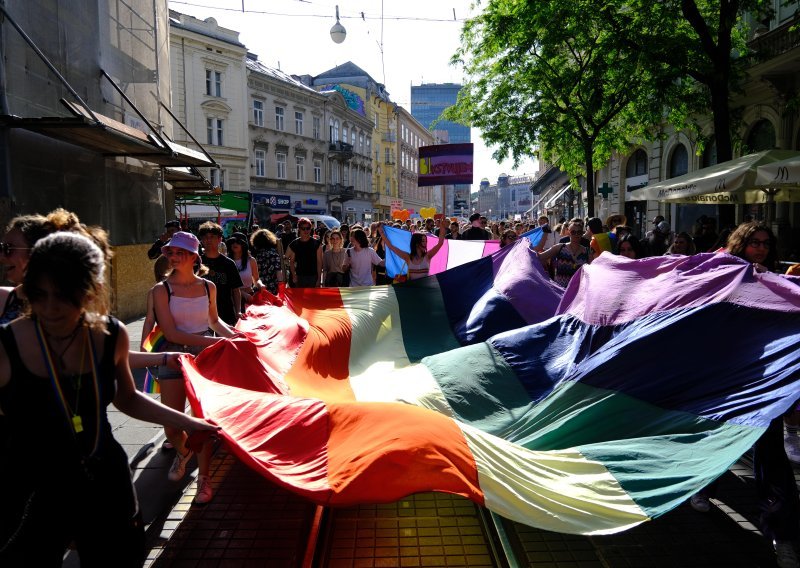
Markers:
(209, 227)
(174, 223)
(474, 217)
(595, 225)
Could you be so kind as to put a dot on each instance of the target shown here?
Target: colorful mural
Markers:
(353, 100)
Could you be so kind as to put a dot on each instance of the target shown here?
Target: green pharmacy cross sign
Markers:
(605, 190)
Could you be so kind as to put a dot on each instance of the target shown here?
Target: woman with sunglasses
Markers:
(775, 484)
(756, 243)
(61, 364)
(22, 233)
(335, 266)
(305, 257)
(566, 258)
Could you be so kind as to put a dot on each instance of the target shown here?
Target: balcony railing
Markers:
(340, 192)
(341, 150)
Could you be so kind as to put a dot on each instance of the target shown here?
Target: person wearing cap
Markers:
(170, 228)
(476, 231)
(222, 272)
(186, 308)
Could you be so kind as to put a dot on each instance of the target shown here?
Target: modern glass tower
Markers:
(428, 101)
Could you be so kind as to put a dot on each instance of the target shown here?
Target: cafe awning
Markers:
(731, 182)
(784, 174)
(102, 134)
(187, 180)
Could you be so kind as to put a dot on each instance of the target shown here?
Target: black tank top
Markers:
(40, 435)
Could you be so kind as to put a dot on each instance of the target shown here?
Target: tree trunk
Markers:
(588, 155)
(722, 119)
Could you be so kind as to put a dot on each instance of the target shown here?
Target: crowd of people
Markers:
(64, 357)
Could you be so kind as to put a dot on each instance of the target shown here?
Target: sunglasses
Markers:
(305, 228)
(7, 249)
(578, 233)
(755, 243)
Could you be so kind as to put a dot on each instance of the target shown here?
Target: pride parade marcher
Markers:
(60, 366)
(186, 308)
(776, 486)
(418, 261)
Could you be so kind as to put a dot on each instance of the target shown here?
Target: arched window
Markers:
(761, 137)
(637, 164)
(709, 154)
(335, 130)
(679, 161)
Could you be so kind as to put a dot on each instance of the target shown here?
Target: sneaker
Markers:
(204, 490)
(792, 446)
(178, 468)
(785, 555)
(700, 503)
(167, 446)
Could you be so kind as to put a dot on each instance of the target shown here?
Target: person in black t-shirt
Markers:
(475, 232)
(222, 272)
(305, 257)
(170, 228)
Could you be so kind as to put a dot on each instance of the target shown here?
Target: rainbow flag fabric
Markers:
(155, 340)
(588, 413)
(453, 253)
(150, 384)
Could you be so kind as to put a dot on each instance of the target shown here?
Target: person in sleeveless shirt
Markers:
(22, 233)
(566, 258)
(186, 308)
(239, 253)
(335, 262)
(419, 259)
(60, 366)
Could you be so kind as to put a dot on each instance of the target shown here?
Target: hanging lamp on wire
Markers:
(338, 33)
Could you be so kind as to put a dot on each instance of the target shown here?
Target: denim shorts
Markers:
(166, 373)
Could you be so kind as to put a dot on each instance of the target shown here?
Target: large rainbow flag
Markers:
(588, 417)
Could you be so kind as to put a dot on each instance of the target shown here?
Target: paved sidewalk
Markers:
(252, 522)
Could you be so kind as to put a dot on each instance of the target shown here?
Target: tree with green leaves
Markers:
(704, 43)
(558, 76)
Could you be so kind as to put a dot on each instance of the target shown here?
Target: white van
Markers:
(330, 222)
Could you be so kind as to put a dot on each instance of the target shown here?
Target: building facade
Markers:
(412, 135)
(428, 102)
(209, 95)
(370, 99)
(108, 144)
(769, 119)
(309, 149)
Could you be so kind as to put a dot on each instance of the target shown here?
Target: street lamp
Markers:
(490, 214)
(338, 33)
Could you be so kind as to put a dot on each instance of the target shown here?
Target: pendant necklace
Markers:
(71, 411)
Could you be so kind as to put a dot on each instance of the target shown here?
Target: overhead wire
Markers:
(360, 15)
